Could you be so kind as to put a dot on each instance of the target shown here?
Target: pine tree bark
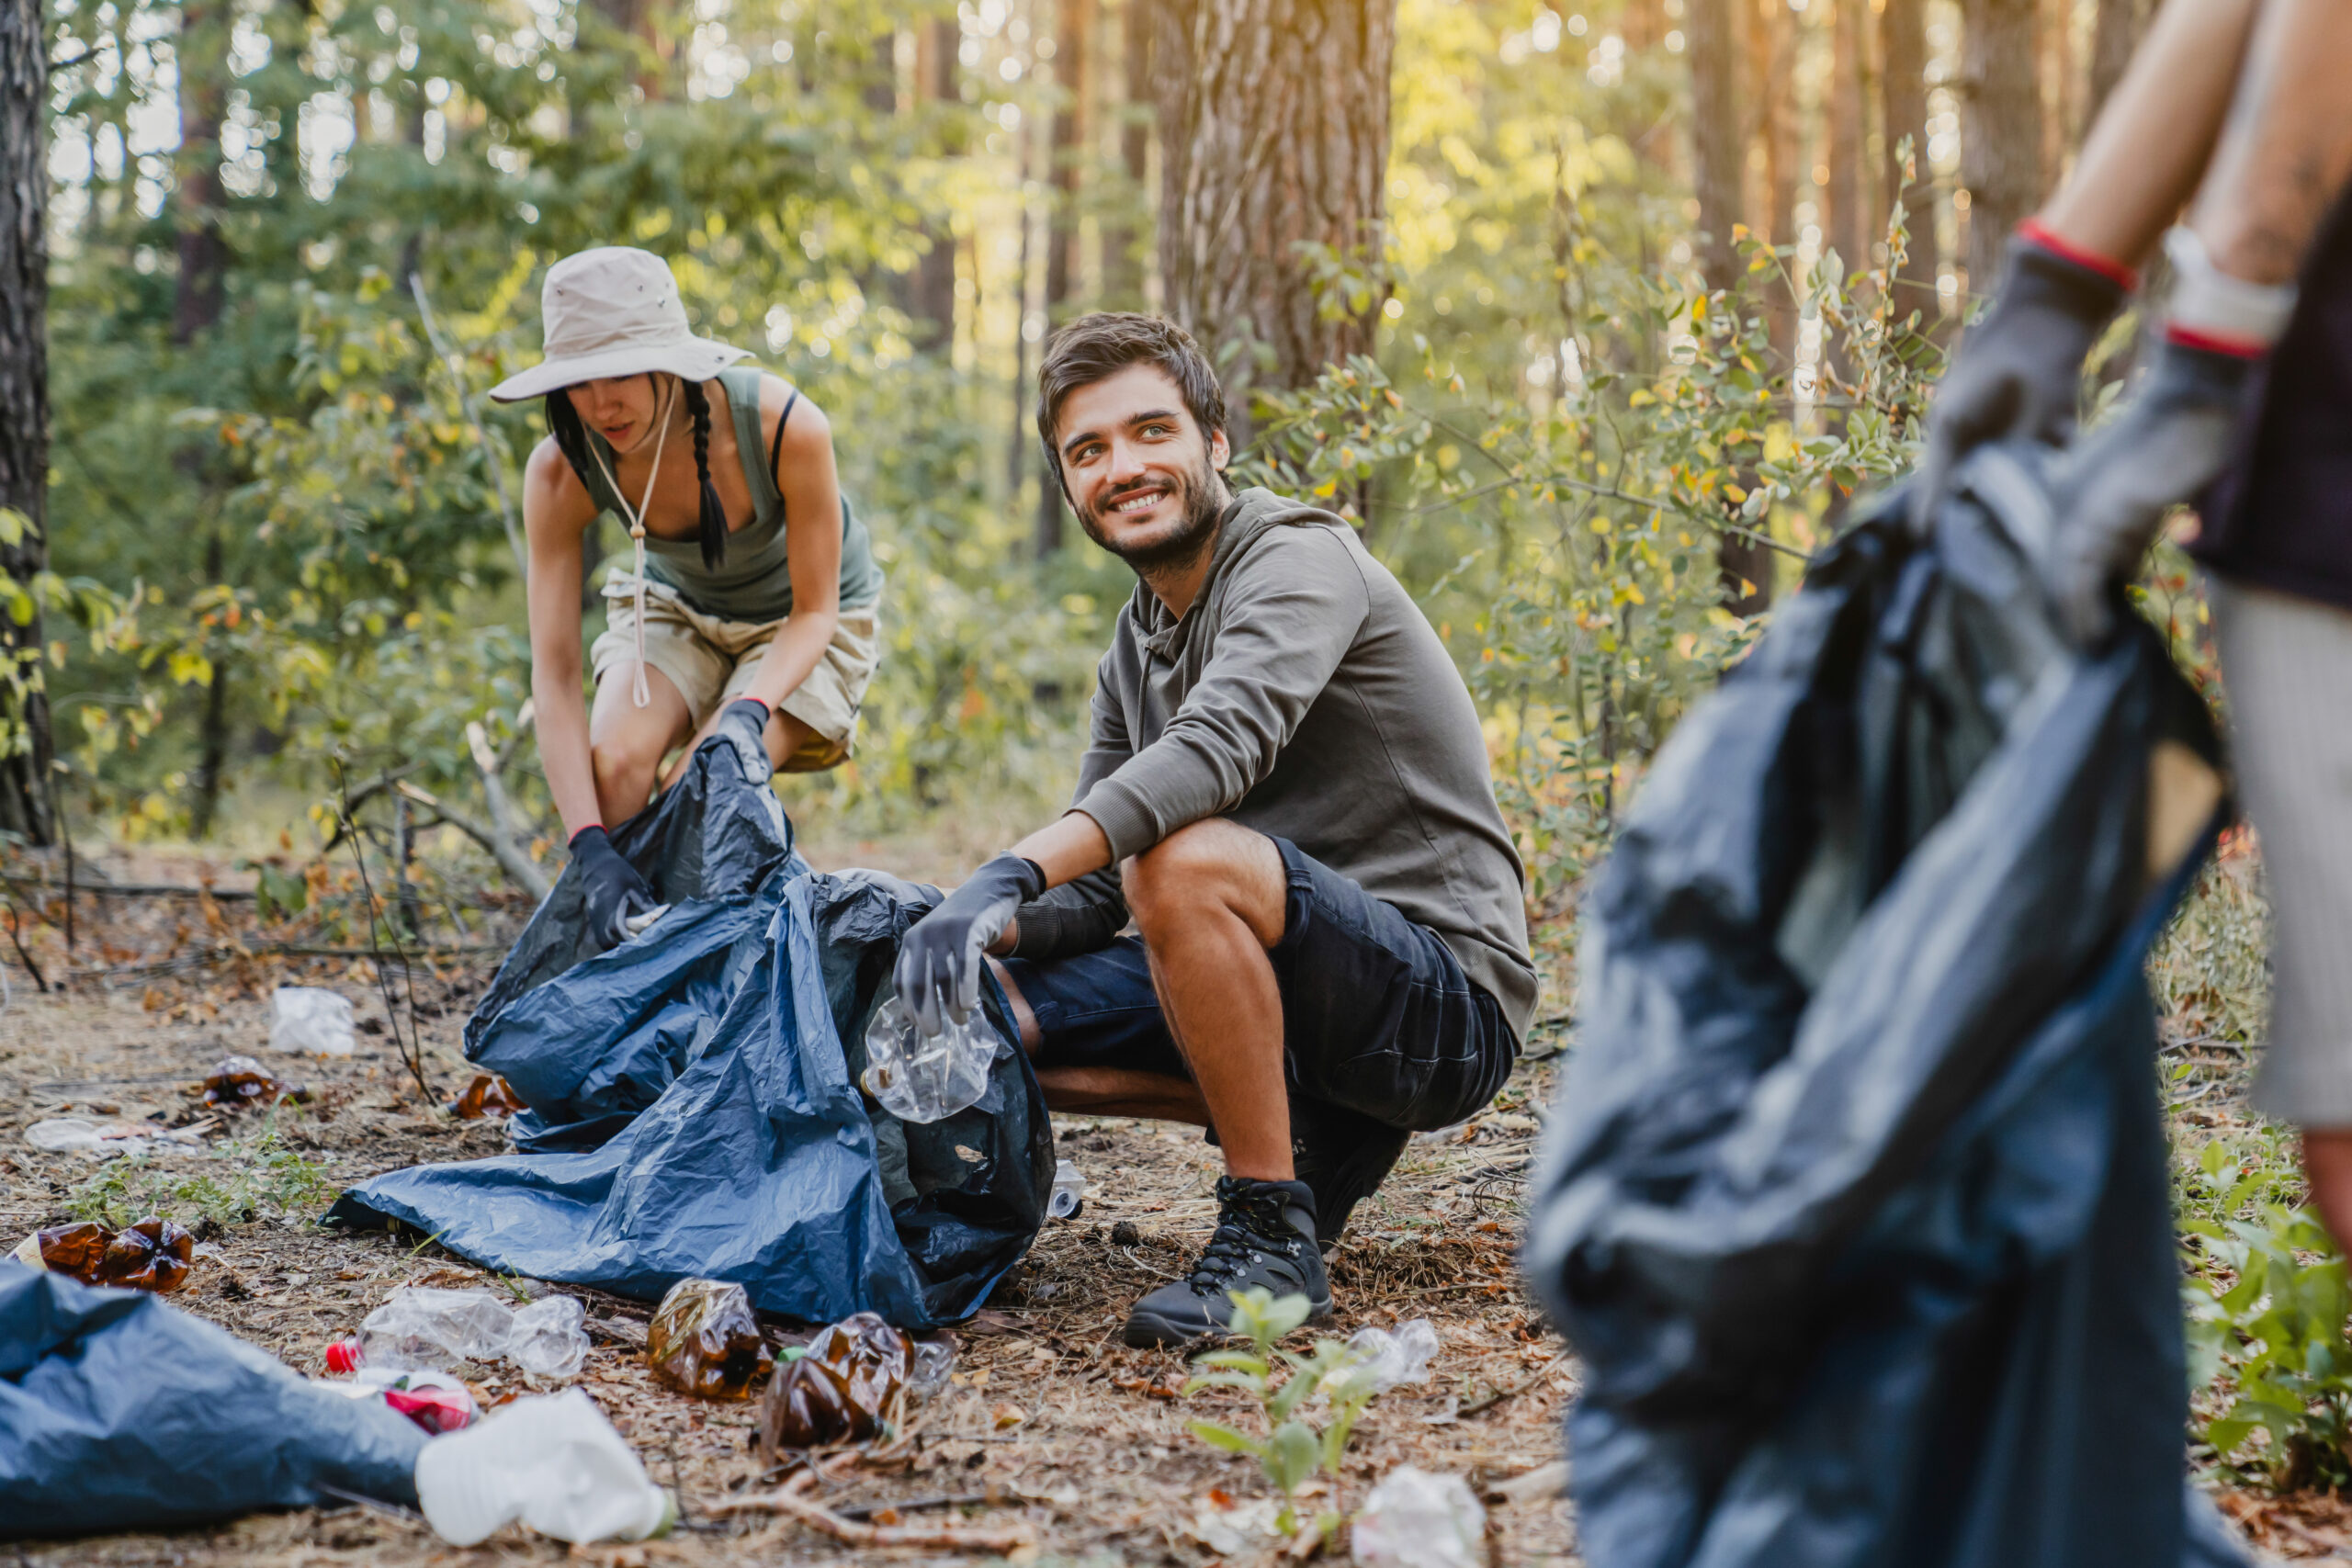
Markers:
(1273, 135)
(1903, 87)
(1849, 229)
(1717, 150)
(202, 57)
(2115, 33)
(2000, 130)
(2057, 79)
(1121, 244)
(1073, 30)
(24, 404)
(933, 299)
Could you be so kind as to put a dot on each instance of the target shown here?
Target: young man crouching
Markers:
(1286, 787)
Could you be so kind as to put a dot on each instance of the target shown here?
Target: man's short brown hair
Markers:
(1101, 344)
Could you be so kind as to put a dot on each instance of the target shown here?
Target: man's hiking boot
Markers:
(1265, 1235)
(1343, 1156)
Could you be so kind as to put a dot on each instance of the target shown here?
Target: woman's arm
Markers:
(556, 515)
(812, 522)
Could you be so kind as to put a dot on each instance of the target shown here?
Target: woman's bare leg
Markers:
(626, 743)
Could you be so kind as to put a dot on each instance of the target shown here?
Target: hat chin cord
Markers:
(639, 692)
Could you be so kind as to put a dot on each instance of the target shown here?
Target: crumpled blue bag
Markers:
(1855, 1202)
(119, 1412)
(694, 1108)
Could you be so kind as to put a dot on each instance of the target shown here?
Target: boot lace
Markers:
(1248, 1226)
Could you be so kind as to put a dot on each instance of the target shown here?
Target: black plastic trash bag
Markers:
(694, 1100)
(1855, 1205)
(119, 1412)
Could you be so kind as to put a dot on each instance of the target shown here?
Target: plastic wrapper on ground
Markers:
(119, 1412)
(704, 1341)
(310, 1019)
(1855, 1202)
(1414, 1519)
(693, 1109)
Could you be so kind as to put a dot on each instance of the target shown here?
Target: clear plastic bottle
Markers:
(923, 1077)
(1070, 1190)
(553, 1462)
(419, 1326)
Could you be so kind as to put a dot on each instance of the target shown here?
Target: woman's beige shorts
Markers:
(712, 661)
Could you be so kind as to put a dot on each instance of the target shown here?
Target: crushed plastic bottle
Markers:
(850, 1386)
(923, 1077)
(488, 1095)
(420, 1327)
(704, 1341)
(1386, 1360)
(554, 1462)
(1069, 1191)
(927, 1373)
(1414, 1519)
(310, 1019)
(155, 1255)
(437, 1401)
(242, 1082)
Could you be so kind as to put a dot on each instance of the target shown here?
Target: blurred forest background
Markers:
(1592, 315)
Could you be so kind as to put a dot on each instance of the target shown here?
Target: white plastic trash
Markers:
(422, 1328)
(1069, 1189)
(1394, 1359)
(1414, 1519)
(552, 1461)
(923, 1077)
(311, 1021)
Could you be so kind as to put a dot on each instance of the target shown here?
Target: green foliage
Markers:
(1294, 1451)
(267, 1177)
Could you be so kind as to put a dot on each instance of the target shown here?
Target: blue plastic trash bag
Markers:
(1855, 1204)
(694, 1100)
(117, 1412)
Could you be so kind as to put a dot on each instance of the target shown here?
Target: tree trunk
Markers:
(1122, 246)
(1716, 149)
(1274, 138)
(934, 299)
(201, 56)
(2000, 130)
(2115, 33)
(1073, 30)
(1904, 89)
(24, 409)
(2057, 80)
(1772, 128)
(1849, 229)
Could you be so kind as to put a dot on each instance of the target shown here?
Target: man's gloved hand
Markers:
(2020, 370)
(744, 724)
(939, 959)
(612, 890)
(2111, 492)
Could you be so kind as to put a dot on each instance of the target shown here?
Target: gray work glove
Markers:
(939, 958)
(744, 726)
(2018, 372)
(2110, 493)
(611, 889)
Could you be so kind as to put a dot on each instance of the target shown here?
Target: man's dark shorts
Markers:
(1377, 1015)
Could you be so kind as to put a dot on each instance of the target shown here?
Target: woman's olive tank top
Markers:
(754, 583)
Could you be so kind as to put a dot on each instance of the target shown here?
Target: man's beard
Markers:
(1203, 500)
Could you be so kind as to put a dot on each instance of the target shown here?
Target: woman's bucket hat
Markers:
(612, 311)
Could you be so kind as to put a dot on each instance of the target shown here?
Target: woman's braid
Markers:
(714, 512)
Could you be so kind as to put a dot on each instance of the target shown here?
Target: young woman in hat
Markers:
(749, 605)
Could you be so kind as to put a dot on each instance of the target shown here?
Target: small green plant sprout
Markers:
(2269, 1320)
(266, 1177)
(1293, 1451)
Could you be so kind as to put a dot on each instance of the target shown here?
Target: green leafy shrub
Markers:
(2269, 1315)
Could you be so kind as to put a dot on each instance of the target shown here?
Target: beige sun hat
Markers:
(614, 311)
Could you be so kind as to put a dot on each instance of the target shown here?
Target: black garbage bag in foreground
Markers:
(694, 1101)
(119, 1412)
(1855, 1205)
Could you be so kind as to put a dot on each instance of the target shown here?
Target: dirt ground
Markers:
(1047, 1417)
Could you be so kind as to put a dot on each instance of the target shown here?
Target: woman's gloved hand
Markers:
(939, 958)
(2112, 491)
(611, 888)
(744, 724)
(2020, 370)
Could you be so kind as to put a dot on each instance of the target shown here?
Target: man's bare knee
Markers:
(1212, 863)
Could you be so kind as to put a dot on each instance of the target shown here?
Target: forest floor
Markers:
(1047, 1416)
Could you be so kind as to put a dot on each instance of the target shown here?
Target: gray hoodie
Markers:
(1305, 696)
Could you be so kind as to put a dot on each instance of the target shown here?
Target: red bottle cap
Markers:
(344, 1357)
